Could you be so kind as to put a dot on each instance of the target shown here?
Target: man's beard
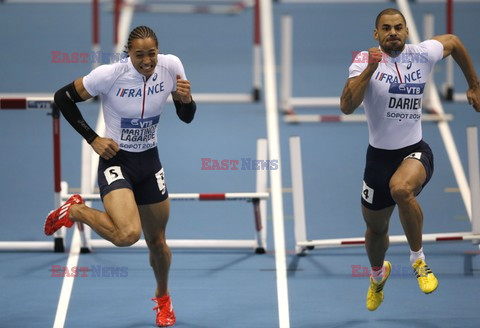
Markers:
(393, 48)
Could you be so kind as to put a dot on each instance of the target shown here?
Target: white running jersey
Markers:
(393, 99)
(132, 105)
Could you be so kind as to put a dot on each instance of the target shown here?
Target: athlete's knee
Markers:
(377, 230)
(158, 245)
(127, 237)
(377, 221)
(402, 192)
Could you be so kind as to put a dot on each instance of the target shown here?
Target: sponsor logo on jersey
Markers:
(139, 123)
(139, 129)
(407, 78)
(407, 88)
(132, 93)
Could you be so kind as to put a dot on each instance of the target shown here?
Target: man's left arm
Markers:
(454, 47)
(182, 98)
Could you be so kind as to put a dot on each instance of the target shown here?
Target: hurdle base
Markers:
(85, 250)
(260, 250)
(59, 245)
(448, 93)
(303, 251)
(256, 95)
(468, 262)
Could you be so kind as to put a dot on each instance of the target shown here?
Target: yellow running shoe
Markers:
(375, 291)
(426, 279)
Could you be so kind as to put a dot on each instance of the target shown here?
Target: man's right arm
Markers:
(354, 90)
(82, 92)
(66, 99)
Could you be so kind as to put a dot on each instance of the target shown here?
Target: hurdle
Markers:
(18, 101)
(223, 7)
(448, 87)
(289, 102)
(124, 15)
(259, 243)
(120, 36)
(39, 102)
(303, 244)
(258, 200)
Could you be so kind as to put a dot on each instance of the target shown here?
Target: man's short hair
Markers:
(389, 11)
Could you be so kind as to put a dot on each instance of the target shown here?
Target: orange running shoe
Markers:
(59, 217)
(165, 314)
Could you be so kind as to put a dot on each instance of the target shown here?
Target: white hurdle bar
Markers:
(258, 199)
(27, 246)
(400, 239)
(300, 229)
(302, 244)
(353, 118)
(474, 174)
(225, 8)
(428, 33)
(43, 100)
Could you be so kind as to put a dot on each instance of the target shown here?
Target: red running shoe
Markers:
(59, 217)
(165, 314)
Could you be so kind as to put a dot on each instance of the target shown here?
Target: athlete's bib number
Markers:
(113, 173)
(367, 193)
(160, 175)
